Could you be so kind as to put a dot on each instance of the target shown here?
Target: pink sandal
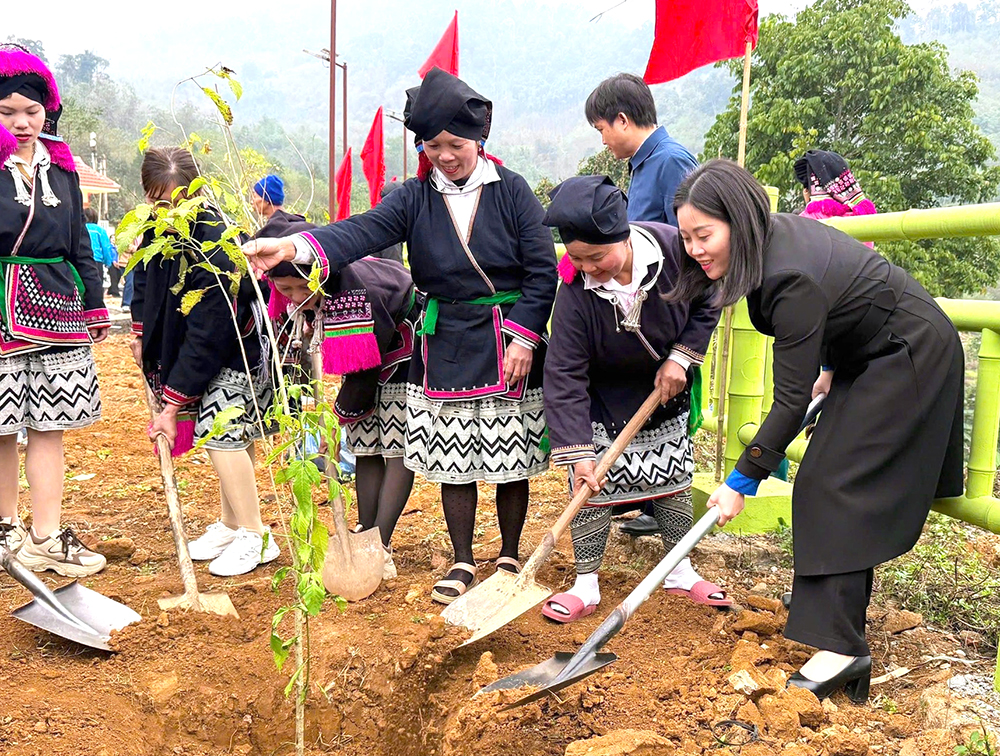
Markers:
(569, 602)
(701, 593)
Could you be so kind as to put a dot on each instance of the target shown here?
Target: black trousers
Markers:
(828, 611)
(115, 274)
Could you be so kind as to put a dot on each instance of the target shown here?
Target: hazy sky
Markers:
(120, 29)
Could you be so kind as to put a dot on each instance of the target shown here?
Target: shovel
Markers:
(217, 602)
(354, 561)
(504, 597)
(564, 669)
(72, 612)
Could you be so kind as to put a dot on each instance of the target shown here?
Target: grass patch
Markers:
(945, 580)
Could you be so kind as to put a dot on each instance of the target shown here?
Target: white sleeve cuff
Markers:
(679, 358)
(522, 342)
(304, 254)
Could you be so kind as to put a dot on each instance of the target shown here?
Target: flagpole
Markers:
(727, 327)
(333, 109)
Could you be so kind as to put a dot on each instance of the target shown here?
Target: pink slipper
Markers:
(701, 593)
(570, 602)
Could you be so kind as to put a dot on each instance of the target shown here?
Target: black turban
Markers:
(446, 103)
(590, 209)
(31, 85)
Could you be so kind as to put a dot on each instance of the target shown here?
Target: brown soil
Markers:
(387, 675)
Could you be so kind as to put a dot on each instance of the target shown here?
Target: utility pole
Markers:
(333, 108)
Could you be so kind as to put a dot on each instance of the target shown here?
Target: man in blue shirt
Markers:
(623, 111)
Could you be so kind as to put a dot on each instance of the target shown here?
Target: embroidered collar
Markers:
(485, 172)
(647, 262)
(39, 166)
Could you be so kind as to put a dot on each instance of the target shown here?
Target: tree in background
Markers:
(604, 163)
(839, 78)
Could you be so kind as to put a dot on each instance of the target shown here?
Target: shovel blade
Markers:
(496, 601)
(542, 676)
(353, 566)
(92, 610)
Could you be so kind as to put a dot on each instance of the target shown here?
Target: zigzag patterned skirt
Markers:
(231, 388)
(492, 440)
(658, 462)
(54, 389)
(382, 433)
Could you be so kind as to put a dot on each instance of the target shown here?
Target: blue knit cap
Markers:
(272, 189)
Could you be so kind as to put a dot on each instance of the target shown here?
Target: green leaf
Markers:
(291, 682)
(280, 650)
(189, 300)
(236, 87)
(278, 577)
(312, 592)
(320, 541)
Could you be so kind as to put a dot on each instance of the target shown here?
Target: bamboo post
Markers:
(727, 328)
(982, 454)
(746, 381)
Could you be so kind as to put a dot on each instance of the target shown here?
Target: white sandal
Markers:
(510, 562)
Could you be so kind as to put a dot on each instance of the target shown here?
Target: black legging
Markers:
(383, 487)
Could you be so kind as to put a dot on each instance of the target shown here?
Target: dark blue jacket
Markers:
(657, 167)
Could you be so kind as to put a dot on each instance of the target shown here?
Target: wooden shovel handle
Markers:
(582, 496)
(611, 456)
(185, 564)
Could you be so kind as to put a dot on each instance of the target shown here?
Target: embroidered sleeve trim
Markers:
(514, 329)
(137, 327)
(172, 396)
(696, 357)
(97, 318)
(321, 258)
(568, 455)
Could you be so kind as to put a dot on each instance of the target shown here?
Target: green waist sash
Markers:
(21, 260)
(429, 325)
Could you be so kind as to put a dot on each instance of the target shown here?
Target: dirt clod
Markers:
(837, 740)
(760, 623)
(621, 743)
(897, 621)
(115, 548)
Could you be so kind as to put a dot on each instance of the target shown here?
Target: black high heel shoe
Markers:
(855, 679)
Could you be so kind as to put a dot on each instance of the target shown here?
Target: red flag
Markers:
(445, 55)
(373, 159)
(342, 180)
(692, 33)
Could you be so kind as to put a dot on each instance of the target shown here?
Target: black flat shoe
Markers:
(855, 679)
(640, 526)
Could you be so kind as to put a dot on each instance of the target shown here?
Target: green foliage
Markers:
(944, 580)
(838, 77)
(978, 744)
(34, 46)
(83, 68)
(604, 163)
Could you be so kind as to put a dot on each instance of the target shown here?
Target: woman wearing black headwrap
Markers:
(614, 338)
(51, 310)
(478, 249)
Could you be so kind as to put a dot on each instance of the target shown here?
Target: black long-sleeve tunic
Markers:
(890, 436)
(598, 372)
(508, 250)
(43, 303)
(181, 353)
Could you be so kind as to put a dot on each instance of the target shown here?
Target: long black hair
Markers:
(725, 191)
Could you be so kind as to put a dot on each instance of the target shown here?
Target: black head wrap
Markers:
(590, 209)
(825, 166)
(446, 103)
(31, 85)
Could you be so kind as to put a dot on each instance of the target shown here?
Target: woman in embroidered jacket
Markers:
(478, 248)
(613, 339)
(368, 314)
(195, 367)
(830, 188)
(52, 309)
(889, 439)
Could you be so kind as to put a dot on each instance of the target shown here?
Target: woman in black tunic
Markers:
(614, 338)
(478, 249)
(51, 310)
(890, 437)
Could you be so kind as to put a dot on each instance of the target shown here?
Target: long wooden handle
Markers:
(338, 507)
(582, 496)
(611, 456)
(184, 562)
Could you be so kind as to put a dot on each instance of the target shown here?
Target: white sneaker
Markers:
(389, 567)
(12, 532)
(246, 552)
(212, 543)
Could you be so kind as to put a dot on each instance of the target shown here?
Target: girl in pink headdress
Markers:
(830, 188)
(51, 311)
